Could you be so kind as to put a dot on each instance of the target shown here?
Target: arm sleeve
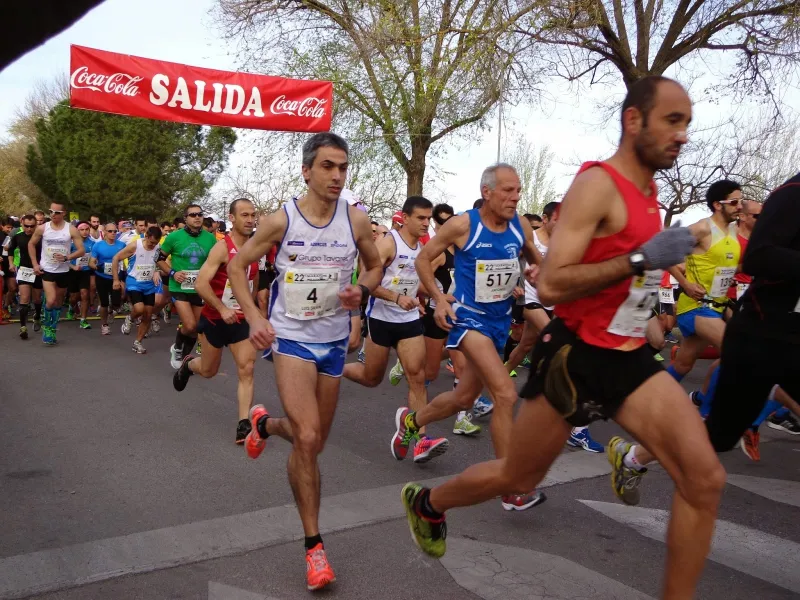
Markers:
(773, 251)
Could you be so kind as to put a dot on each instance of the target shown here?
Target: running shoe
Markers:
(786, 424)
(318, 572)
(242, 429)
(181, 376)
(85, 324)
(105, 330)
(657, 356)
(523, 501)
(449, 366)
(167, 316)
(582, 439)
(670, 338)
(396, 374)
(23, 332)
(48, 336)
(70, 315)
(428, 535)
(482, 407)
(404, 434)
(694, 396)
(624, 480)
(526, 363)
(138, 348)
(513, 374)
(253, 442)
(175, 357)
(464, 424)
(362, 358)
(126, 325)
(155, 325)
(749, 445)
(427, 448)
(198, 349)
(37, 325)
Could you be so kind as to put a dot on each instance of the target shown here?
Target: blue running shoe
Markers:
(582, 439)
(483, 406)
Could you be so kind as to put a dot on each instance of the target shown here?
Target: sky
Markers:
(183, 31)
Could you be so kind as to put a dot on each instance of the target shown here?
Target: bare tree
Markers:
(414, 72)
(534, 166)
(771, 156)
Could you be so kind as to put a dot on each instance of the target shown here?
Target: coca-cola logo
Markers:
(313, 108)
(118, 83)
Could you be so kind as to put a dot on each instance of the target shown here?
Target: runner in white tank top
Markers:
(57, 238)
(318, 236)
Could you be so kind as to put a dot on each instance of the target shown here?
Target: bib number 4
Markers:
(311, 294)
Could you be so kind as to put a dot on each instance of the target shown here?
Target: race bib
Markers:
(143, 272)
(631, 317)
(407, 286)
(665, 295)
(107, 268)
(723, 279)
(262, 264)
(228, 299)
(26, 274)
(52, 250)
(311, 293)
(741, 288)
(495, 280)
(190, 281)
(82, 262)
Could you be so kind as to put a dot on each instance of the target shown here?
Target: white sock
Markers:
(630, 460)
(455, 382)
(462, 414)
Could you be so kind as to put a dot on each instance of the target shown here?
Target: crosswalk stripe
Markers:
(786, 492)
(219, 591)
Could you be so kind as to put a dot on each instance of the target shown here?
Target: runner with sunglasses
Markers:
(187, 250)
(56, 237)
(81, 278)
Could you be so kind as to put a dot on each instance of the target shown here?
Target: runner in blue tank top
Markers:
(488, 242)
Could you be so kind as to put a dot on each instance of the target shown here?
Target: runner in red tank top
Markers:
(602, 271)
(221, 322)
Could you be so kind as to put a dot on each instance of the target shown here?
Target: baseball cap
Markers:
(398, 217)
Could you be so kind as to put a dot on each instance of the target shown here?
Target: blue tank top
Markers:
(487, 267)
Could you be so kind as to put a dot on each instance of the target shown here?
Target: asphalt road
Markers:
(113, 485)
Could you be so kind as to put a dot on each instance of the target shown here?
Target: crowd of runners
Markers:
(307, 285)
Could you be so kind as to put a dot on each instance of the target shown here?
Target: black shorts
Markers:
(60, 279)
(387, 334)
(750, 365)
(146, 299)
(107, 293)
(430, 328)
(37, 283)
(265, 279)
(122, 276)
(193, 299)
(220, 334)
(584, 383)
(537, 306)
(518, 314)
(80, 280)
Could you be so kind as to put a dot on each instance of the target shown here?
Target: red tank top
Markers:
(590, 316)
(740, 277)
(220, 281)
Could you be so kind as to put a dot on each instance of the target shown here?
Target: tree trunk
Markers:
(416, 170)
(668, 218)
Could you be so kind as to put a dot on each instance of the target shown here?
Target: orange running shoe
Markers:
(318, 571)
(750, 441)
(254, 443)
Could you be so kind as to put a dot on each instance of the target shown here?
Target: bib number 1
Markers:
(723, 279)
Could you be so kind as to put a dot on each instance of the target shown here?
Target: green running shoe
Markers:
(512, 374)
(396, 374)
(624, 480)
(428, 535)
(85, 324)
(464, 424)
(70, 315)
(526, 363)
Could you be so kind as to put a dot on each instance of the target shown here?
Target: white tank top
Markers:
(142, 264)
(531, 294)
(400, 277)
(313, 264)
(55, 241)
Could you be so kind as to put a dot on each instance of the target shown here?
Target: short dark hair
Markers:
(441, 209)
(531, 217)
(232, 207)
(61, 204)
(166, 224)
(177, 221)
(137, 219)
(642, 95)
(550, 209)
(413, 202)
(191, 206)
(720, 190)
(94, 215)
(208, 222)
(374, 223)
(327, 139)
(79, 223)
(154, 232)
(222, 227)
(27, 217)
(478, 203)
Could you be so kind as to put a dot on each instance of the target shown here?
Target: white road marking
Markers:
(54, 569)
(747, 550)
(219, 591)
(496, 572)
(779, 490)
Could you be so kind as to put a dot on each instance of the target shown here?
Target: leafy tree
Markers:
(533, 166)
(114, 165)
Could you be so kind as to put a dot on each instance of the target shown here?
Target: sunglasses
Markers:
(28, 226)
(195, 214)
(56, 212)
(731, 202)
(111, 231)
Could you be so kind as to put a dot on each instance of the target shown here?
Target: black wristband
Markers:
(171, 273)
(364, 292)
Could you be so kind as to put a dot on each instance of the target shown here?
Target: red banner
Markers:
(155, 89)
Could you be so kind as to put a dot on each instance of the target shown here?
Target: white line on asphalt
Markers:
(47, 570)
(218, 591)
(750, 551)
(786, 492)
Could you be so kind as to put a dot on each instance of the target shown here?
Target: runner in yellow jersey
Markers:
(709, 273)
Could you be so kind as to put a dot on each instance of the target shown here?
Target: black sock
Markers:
(178, 339)
(23, 315)
(509, 348)
(37, 312)
(188, 344)
(424, 508)
(261, 427)
(313, 541)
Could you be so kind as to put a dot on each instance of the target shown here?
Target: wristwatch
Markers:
(637, 261)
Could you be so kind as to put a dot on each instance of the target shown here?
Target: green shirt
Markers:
(187, 253)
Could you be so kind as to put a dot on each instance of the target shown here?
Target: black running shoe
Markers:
(37, 325)
(787, 424)
(242, 429)
(181, 376)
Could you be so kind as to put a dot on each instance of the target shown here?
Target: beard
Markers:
(649, 154)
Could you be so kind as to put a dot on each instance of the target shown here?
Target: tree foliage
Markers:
(533, 166)
(115, 165)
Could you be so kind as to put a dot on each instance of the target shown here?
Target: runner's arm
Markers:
(163, 252)
(529, 249)
(12, 246)
(455, 229)
(386, 251)
(269, 233)
(80, 250)
(35, 239)
(769, 252)
(126, 252)
(218, 256)
(371, 275)
(562, 277)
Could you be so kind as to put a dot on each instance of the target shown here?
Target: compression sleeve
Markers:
(772, 252)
